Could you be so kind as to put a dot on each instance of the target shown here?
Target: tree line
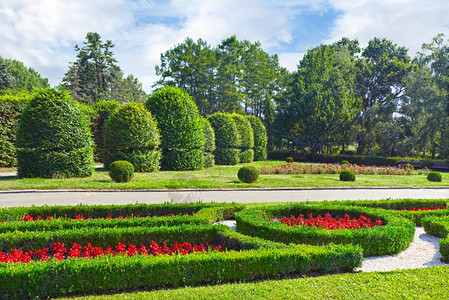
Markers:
(377, 99)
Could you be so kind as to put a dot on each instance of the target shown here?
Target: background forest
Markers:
(342, 98)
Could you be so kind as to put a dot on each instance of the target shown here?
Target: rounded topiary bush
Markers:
(53, 137)
(131, 134)
(344, 162)
(347, 175)
(181, 127)
(248, 174)
(227, 139)
(121, 171)
(209, 145)
(245, 131)
(260, 138)
(289, 160)
(434, 176)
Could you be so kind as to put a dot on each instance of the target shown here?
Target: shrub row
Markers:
(113, 274)
(439, 226)
(393, 237)
(398, 204)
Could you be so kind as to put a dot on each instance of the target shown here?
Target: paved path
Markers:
(38, 198)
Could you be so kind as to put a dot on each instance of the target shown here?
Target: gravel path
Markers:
(422, 252)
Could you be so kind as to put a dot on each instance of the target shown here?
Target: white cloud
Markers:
(408, 23)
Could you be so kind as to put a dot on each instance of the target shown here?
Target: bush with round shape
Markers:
(209, 145)
(121, 171)
(347, 175)
(248, 174)
(227, 139)
(344, 162)
(434, 176)
(289, 159)
(181, 126)
(260, 138)
(394, 236)
(53, 137)
(245, 130)
(131, 134)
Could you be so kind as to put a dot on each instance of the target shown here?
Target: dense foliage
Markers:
(181, 127)
(347, 175)
(209, 145)
(434, 176)
(53, 137)
(246, 134)
(260, 138)
(121, 171)
(248, 174)
(227, 139)
(15, 76)
(131, 134)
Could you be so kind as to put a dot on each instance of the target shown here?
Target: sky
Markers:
(43, 33)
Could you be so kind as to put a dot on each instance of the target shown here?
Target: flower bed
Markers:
(295, 168)
(252, 259)
(59, 251)
(423, 208)
(330, 223)
(29, 218)
(394, 236)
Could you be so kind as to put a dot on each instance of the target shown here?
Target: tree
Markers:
(95, 75)
(15, 76)
(380, 84)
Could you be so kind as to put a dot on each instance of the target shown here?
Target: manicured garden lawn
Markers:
(427, 283)
(216, 177)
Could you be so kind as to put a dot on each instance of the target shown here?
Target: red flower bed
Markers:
(327, 222)
(80, 217)
(60, 252)
(423, 208)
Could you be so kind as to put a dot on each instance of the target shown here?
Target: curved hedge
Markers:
(393, 237)
(131, 134)
(11, 106)
(181, 126)
(260, 138)
(53, 137)
(227, 138)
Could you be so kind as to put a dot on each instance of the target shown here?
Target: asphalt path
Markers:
(63, 197)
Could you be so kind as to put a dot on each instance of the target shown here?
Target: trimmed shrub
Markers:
(289, 160)
(184, 159)
(394, 236)
(181, 126)
(53, 137)
(439, 227)
(121, 171)
(248, 174)
(434, 176)
(347, 175)
(103, 109)
(227, 139)
(11, 106)
(344, 162)
(209, 145)
(131, 134)
(260, 138)
(246, 156)
(226, 156)
(245, 131)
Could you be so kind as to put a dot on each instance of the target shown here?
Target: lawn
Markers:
(218, 177)
(427, 283)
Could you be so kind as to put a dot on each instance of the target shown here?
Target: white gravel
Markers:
(423, 252)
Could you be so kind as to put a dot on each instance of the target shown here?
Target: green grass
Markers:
(217, 177)
(427, 283)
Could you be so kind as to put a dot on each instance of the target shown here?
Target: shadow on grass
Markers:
(8, 178)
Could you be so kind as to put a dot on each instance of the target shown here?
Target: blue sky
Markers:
(43, 33)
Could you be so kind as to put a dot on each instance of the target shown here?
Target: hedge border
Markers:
(393, 237)
(265, 259)
(439, 226)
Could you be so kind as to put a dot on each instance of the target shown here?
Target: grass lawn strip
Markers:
(427, 283)
(215, 178)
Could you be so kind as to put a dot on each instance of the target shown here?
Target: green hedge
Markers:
(245, 131)
(439, 226)
(227, 156)
(11, 106)
(183, 159)
(209, 145)
(53, 135)
(131, 134)
(260, 138)
(246, 156)
(399, 204)
(393, 237)
(114, 274)
(227, 139)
